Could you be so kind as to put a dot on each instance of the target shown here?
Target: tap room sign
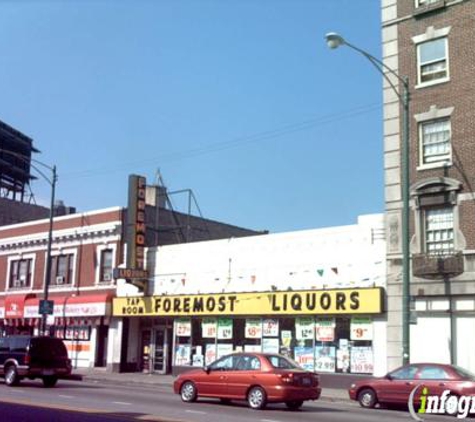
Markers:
(319, 302)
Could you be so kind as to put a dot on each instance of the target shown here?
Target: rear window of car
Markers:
(282, 362)
(48, 347)
(464, 373)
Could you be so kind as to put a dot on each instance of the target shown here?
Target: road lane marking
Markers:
(64, 396)
(199, 412)
(269, 420)
(124, 403)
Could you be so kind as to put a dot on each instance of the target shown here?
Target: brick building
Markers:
(431, 42)
(86, 247)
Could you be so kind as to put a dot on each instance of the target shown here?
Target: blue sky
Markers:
(239, 100)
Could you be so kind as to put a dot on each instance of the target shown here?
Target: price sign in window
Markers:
(361, 328)
(183, 327)
(304, 328)
(225, 328)
(209, 327)
(253, 328)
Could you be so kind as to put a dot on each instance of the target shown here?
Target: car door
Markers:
(245, 372)
(398, 385)
(4, 352)
(213, 381)
(435, 378)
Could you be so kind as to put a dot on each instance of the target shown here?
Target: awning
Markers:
(15, 305)
(84, 306)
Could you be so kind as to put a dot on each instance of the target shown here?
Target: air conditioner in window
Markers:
(60, 279)
(107, 277)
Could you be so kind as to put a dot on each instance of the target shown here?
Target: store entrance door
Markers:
(160, 350)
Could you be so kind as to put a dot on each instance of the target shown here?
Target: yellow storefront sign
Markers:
(341, 301)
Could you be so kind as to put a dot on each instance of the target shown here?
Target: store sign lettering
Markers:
(344, 301)
(312, 301)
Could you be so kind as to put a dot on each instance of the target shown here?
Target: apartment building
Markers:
(431, 43)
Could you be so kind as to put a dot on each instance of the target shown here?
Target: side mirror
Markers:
(207, 369)
(389, 377)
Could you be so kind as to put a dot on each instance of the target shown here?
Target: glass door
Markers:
(160, 350)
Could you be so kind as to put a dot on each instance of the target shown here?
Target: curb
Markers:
(166, 383)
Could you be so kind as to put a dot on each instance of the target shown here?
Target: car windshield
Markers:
(464, 373)
(282, 362)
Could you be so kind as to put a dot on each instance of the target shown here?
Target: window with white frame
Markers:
(62, 269)
(106, 265)
(439, 230)
(20, 273)
(432, 61)
(435, 138)
(421, 3)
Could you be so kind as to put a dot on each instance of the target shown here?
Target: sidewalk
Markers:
(138, 378)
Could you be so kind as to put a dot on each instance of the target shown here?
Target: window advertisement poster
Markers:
(210, 353)
(270, 327)
(361, 360)
(208, 328)
(325, 358)
(343, 359)
(182, 355)
(361, 328)
(198, 359)
(223, 349)
(183, 327)
(225, 328)
(270, 345)
(325, 329)
(253, 328)
(304, 357)
(304, 328)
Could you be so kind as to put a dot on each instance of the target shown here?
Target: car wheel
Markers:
(257, 398)
(294, 404)
(367, 398)
(11, 376)
(188, 392)
(49, 382)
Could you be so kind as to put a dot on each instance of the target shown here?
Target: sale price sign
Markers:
(253, 328)
(361, 328)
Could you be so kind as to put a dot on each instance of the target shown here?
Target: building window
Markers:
(422, 3)
(62, 270)
(435, 141)
(20, 273)
(432, 61)
(106, 265)
(439, 230)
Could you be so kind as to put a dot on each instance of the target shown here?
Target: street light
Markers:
(52, 182)
(335, 40)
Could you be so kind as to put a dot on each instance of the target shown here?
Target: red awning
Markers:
(82, 305)
(84, 298)
(15, 304)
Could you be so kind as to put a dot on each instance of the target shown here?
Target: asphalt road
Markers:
(93, 402)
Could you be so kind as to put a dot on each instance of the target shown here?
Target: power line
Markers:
(234, 143)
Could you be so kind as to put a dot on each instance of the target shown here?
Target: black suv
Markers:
(33, 357)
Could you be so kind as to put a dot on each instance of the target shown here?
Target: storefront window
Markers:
(321, 344)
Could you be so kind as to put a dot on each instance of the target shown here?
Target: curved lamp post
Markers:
(335, 40)
(52, 182)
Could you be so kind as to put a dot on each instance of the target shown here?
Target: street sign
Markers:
(130, 273)
(46, 307)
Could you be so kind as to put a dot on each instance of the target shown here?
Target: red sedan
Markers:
(396, 386)
(258, 378)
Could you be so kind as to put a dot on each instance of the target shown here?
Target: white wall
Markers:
(345, 256)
